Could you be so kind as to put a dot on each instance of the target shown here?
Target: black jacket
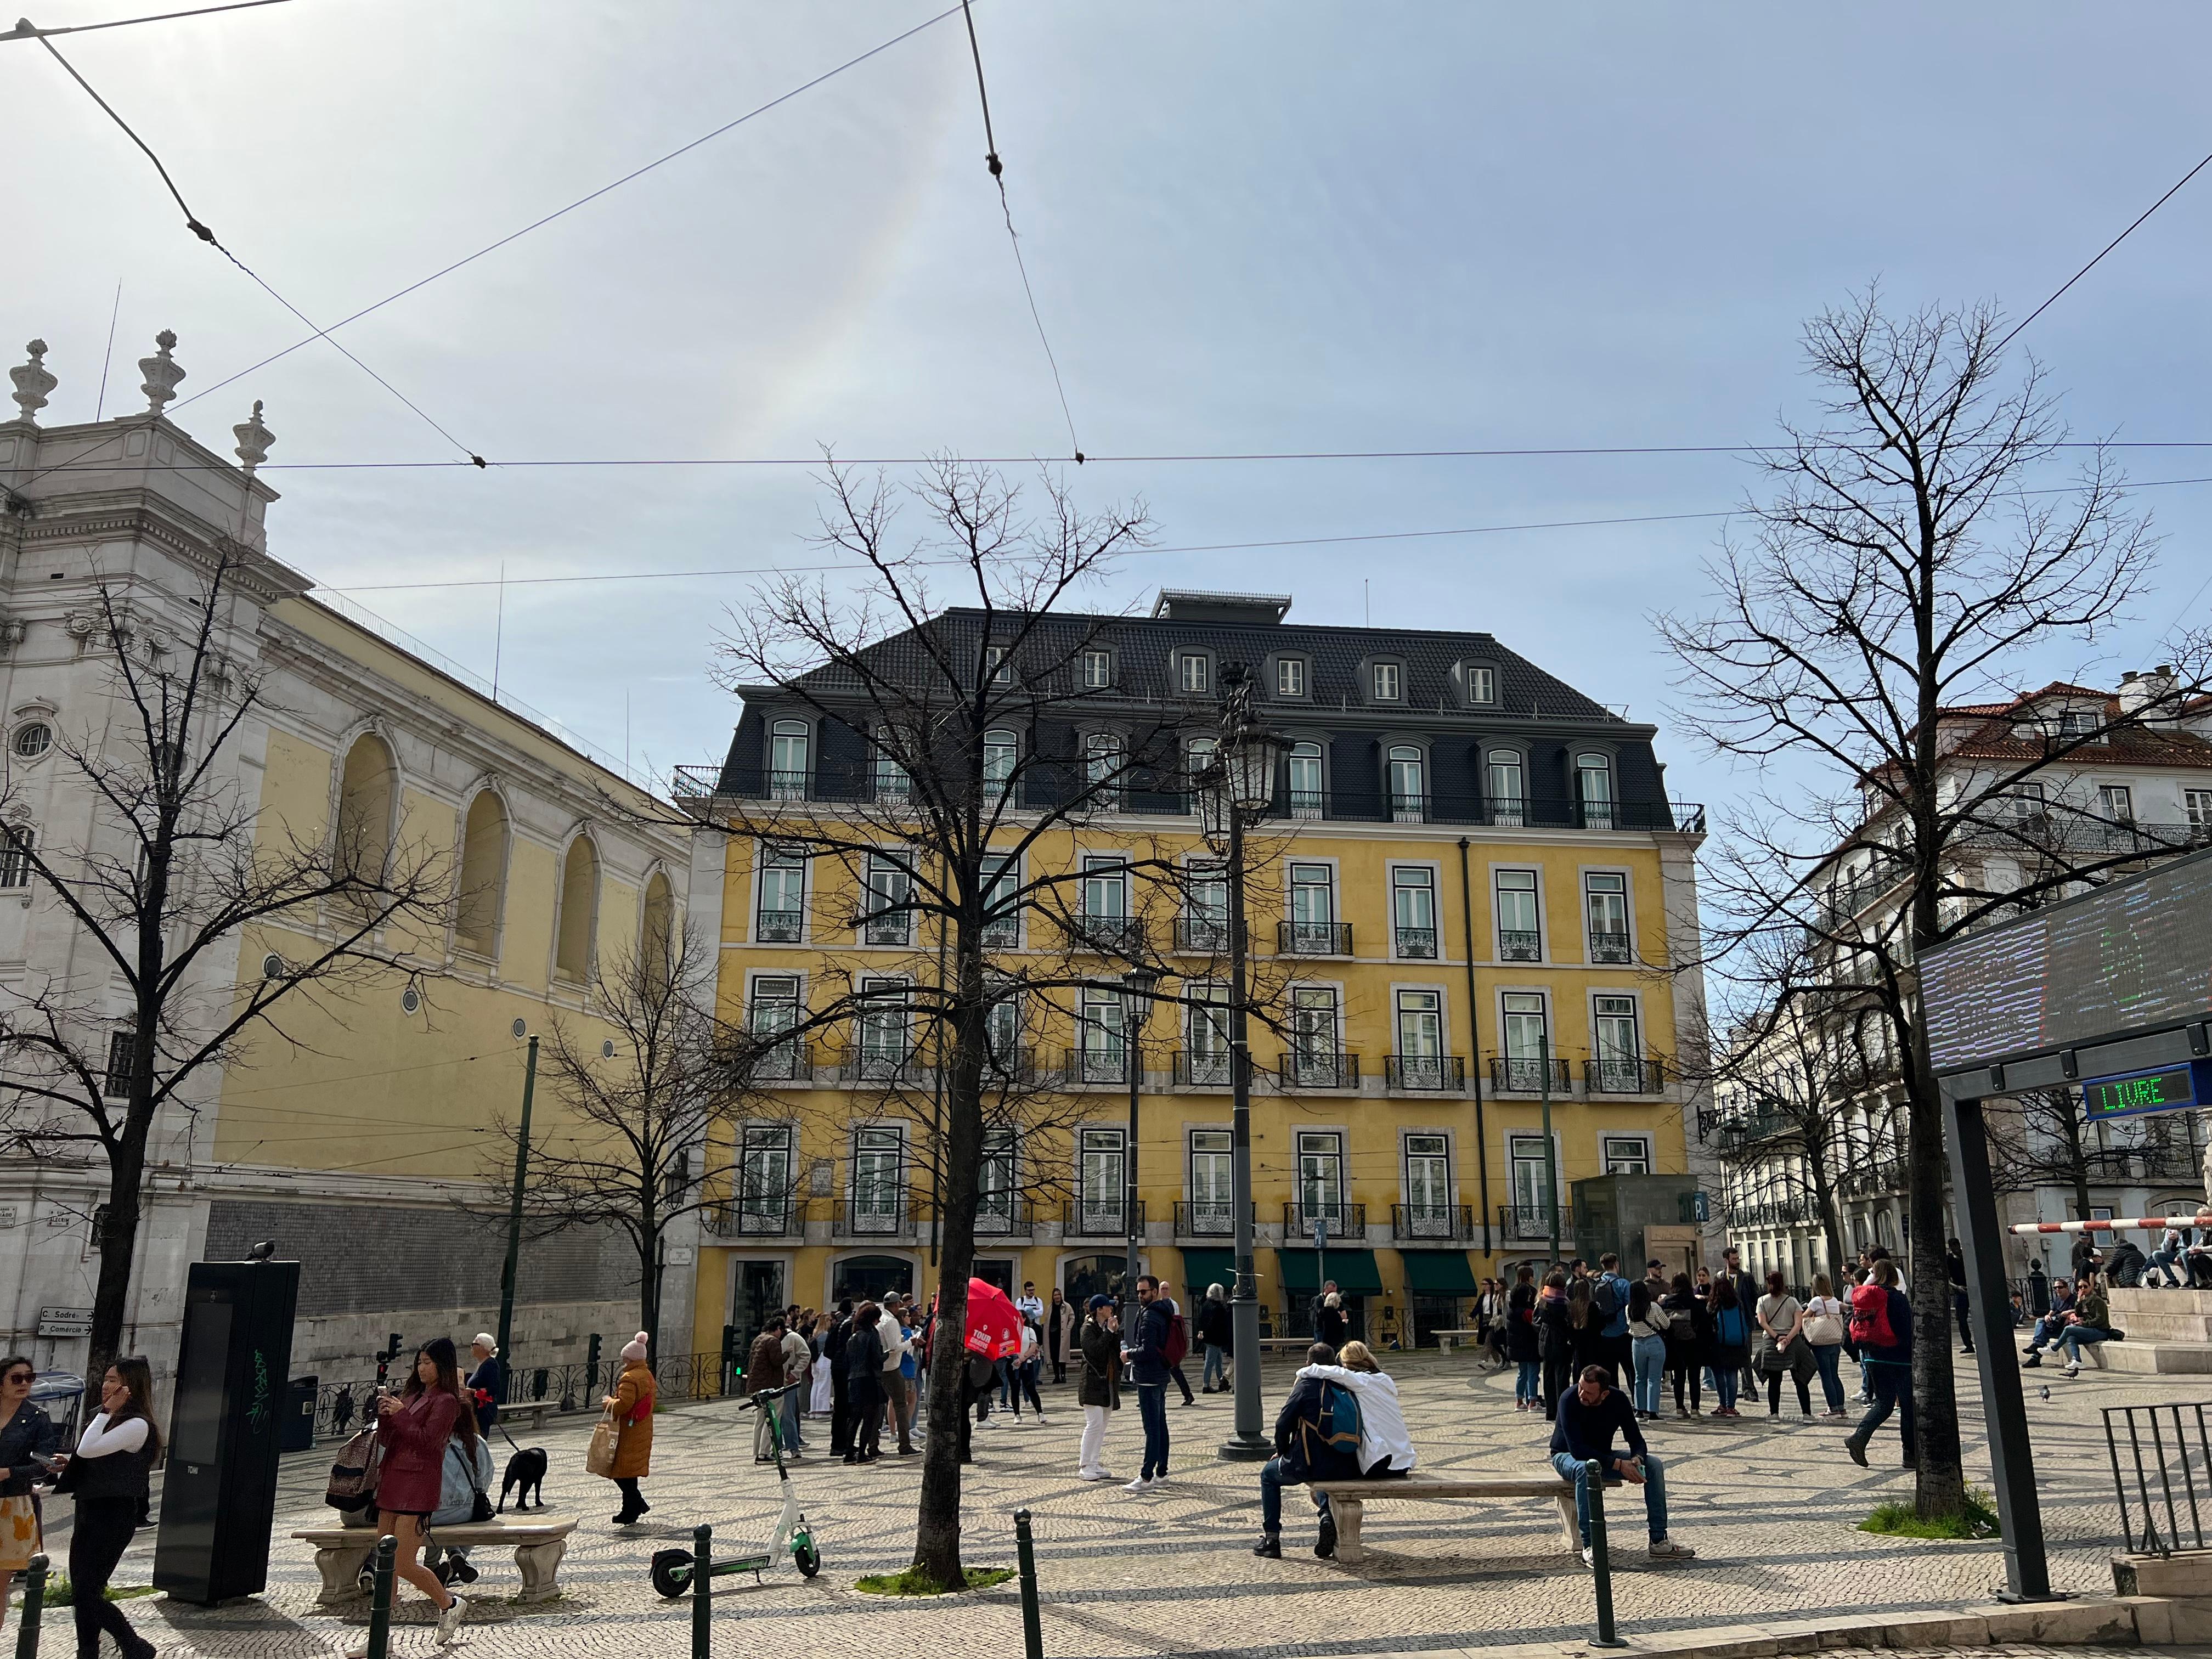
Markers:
(1214, 1324)
(1521, 1343)
(1101, 1383)
(1302, 1455)
(30, 1433)
(864, 1360)
(1555, 1329)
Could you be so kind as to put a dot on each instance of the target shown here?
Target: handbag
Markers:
(606, 1440)
(1824, 1330)
(355, 1476)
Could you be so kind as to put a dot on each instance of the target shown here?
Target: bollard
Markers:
(380, 1602)
(1032, 1629)
(1600, 1567)
(34, 1598)
(702, 1577)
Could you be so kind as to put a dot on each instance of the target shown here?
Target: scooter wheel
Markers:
(672, 1572)
(806, 1559)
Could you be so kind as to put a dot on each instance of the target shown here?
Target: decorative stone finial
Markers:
(161, 374)
(32, 381)
(253, 439)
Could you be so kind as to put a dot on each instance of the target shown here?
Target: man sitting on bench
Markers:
(1588, 1420)
(1340, 1423)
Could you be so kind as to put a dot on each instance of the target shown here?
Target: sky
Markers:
(1278, 229)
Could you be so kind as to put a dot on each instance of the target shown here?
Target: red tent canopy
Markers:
(995, 1325)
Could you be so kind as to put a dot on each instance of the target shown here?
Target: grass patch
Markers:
(60, 1593)
(1976, 1518)
(915, 1582)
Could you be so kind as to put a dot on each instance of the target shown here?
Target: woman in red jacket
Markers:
(414, 1428)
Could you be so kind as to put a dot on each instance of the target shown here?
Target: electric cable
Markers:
(2107, 248)
(24, 30)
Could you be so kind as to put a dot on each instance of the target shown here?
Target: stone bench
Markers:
(536, 1410)
(1348, 1498)
(1450, 1340)
(538, 1544)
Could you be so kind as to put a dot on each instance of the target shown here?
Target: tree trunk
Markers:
(2077, 1164)
(648, 1290)
(118, 1238)
(1941, 1481)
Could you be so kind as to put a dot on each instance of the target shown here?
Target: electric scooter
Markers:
(671, 1568)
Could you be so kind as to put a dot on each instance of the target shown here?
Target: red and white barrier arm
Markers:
(2140, 1224)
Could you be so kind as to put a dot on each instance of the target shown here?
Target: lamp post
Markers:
(1240, 783)
(1137, 988)
(514, 1210)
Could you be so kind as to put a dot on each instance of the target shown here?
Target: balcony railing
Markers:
(1345, 1220)
(1314, 939)
(779, 926)
(783, 1062)
(786, 785)
(1743, 1129)
(779, 1216)
(1308, 803)
(883, 1065)
(1606, 947)
(1214, 1218)
(874, 1219)
(1100, 1217)
(1203, 1071)
(1518, 944)
(1113, 936)
(1869, 1180)
(1020, 1068)
(1451, 1223)
(1416, 942)
(1318, 1068)
(1532, 1221)
(1772, 1212)
(1624, 1076)
(1409, 808)
(1434, 1073)
(1511, 1076)
(1096, 1066)
(1004, 1215)
(1201, 935)
(886, 926)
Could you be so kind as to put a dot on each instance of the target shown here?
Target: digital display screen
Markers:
(2136, 953)
(2166, 1090)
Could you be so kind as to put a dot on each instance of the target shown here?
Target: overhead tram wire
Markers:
(25, 30)
(193, 224)
(999, 177)
(582, 201)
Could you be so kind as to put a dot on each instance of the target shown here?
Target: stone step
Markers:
(2153, 1357)
(2149, 1326)
(2147, 1299)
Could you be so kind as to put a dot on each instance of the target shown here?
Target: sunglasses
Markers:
(24, 1378)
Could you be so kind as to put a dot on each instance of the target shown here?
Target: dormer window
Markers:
(1195, 672)
(1389, 682)
(1290, 676)
(2080, 723)
(994, 665)
(1097, 670)
(1481, 686)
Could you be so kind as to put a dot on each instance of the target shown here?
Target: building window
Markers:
(891, 781)
(1320, 1182)
(1104, 1056)
(995, 1182)
(886, 1037)
(888, 918)
(994, 666)
(1315, 1062)
(1211, 1212)
(1508, 801)
(2116, 803)
(1620, 1060)
(580, 907)
(764, 1181)
(1290, 676)
(656, 934)
(1594, 784)
(1206, 1038)
(1002, 1026)
(1413, 911)
(1313, 909)
(1206, 908)
(1420, 1039)
(2198, 805)
(1105, 888)
(1388, 682)
(122, 1052)
(1306, 798)
(484, 873)
(1409, 795)
(16, 848)
(775, 1013)
(1428, 1187)
(1627, 1155)
(1195, 672)
(1001, 750)
(365, 800)
(2077, 723)
(878, 1180)
(32, 739)
(1482, 686)
(1100, 1176)
(787, 761)
(1197, 754)
(1097, 670)
(1535, 1203)
(1101, 768)
(1002, 916)
(1605, 896)
(1519, 936)
(1527, 1042)
(782, 915)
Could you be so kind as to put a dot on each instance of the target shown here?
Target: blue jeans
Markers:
(2076, 1336)
(1655, 1492)
(1725, 1379)
(1829, 1356)
(1217, 1366)
(1152, 1408)
(1527, 1385)
(1006, 1381)
(1270, 1496)
(1893, 1391)
(2169, 1260)
(1650, 1361)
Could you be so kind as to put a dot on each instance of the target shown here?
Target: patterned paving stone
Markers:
(1771, 1509)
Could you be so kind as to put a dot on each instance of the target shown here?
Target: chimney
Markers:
(2140, 690)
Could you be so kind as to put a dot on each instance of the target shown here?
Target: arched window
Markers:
(364, 829)
(787, 761)
(1101, 768)
(1594, 784)
(1001, 749)
(484, 874)
(1409, 794)
(657, 937)
(580, 903)
(1306, 796)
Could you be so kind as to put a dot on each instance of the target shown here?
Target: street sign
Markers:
(2133, 1094)
(65, 1322)
(1321, 1231)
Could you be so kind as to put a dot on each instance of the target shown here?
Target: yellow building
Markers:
(1473, 869)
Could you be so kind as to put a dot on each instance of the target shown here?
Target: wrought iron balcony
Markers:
(1872, 1179)
(1019, 1068)
(1430, 1073)
(883, 1066)
(1005, 1215)
(1210, 1218)
(1408, 807)
(1772, 1211)
(1112, 936)
(789, 1061)
(1416, 942)
(1345, 1220)
(1518, 944)
(1534, 1221)
(885, 926)
(1308, 803)
(779, 926)
(1610, 946)
(1201, 935)
(1452, 1223)
(1624, 1076)
(1505, 811)
(1314, 939)
(786, 785)
(1098, 1217)
(1512, 1076)
(776, 1215)
(1098, 1065)
(880, 1216)
(1318, 1068)
(1210, 1069)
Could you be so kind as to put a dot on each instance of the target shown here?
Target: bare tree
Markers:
(640, 1106)
(1907, 561)
(178, 864)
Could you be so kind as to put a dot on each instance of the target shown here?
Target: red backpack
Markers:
(1178, 1341)
(1870, 1317)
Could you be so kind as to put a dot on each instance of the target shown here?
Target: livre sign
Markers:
(65, 1322)
(2169, 1089)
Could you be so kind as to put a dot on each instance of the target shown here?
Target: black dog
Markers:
(526, 1469)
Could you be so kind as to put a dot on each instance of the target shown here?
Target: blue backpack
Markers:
(1729, 1327)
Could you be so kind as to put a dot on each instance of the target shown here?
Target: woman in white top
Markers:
(1782, 1320)
(1826, 1319)
(108, 1476)
(1385, 1448)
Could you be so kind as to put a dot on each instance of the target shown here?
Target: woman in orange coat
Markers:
(632, 1404)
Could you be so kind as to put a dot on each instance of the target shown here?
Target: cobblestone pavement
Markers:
(1770, 1508)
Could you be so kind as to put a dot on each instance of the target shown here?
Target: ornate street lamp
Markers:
(1137, 988)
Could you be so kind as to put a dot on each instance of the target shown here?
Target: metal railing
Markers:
(1609, 946)
(779, 926)
(1098, 1065)
(1773, 1213)
(1534, 1221)
(1203, 1071)
(2165, 1451)
(1415, 943)
(786, 785)
(885, 926)
(1201, 935)
(1316, 1068)
(1509, 1075)
(1864, 1180)
(1098, 1221)
(1343, 1219)
(1519, 945)
(1428, 1074)
(1624, 1076)
(1004, 1215)
(1455, 1221)
(1110, 935)
(1215, 1219)
(783, 1062)
(1314, 939)
(777, 1216)
(873, 1219)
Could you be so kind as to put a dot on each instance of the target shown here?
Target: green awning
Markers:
(1354, 1272)
(1203, 1267)
(1438, 1272)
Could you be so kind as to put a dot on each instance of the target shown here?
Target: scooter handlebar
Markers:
(768, 1393)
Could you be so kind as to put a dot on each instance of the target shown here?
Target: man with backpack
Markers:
(1881, 1335)
(1178, 1345)
(1145, 1346)
(1609, 1306)
(1316, 1439)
